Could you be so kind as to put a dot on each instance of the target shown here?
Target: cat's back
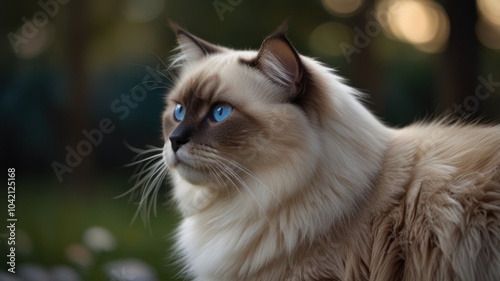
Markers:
(446, 224)
(453, 158)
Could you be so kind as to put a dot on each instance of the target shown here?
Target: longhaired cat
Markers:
(281, 173)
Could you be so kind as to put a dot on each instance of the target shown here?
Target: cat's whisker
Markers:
(140, 181)
(157, 184)
(146, 169)
(155, 170)
(143, 160)
(143, 168)
(148, 177)
(167, 68)
(246, 171)
(243, 184)
(161, 87)
(142, 83)
(249, 173)
(132, 191)
(140, 152)
(165, 85)
(217, 158)
(149, 81)
(153, 148)
(165, 74)
(155, 70)
(140, 170)
(150, 188)
(222, 169)
(219, 179)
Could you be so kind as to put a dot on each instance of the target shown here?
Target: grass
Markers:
(50, 219)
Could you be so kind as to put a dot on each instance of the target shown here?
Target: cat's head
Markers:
(234, 118)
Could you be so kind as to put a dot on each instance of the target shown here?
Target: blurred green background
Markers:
(67, 65)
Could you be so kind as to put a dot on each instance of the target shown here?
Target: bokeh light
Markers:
(79, 255)
(488, 34)
(490, 10)
(326, 38)
(421, 23)
(416, 23)
(488, 26)
(42, 38)
(342, 7)
(142, 10)
(99, 239)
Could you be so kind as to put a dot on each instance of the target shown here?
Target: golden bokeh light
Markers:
(488, 26)
(416, 24)
(327, 38)
(488, 34)
(421, 23)
(490, 11)
(342, 7)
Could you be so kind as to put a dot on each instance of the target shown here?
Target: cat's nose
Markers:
(180, 136)
(177, 142)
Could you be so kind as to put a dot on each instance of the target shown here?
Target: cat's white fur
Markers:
(324, 196)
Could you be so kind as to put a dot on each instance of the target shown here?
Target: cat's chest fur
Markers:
(428, 208)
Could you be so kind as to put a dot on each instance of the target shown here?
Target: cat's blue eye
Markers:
(179, 112)
(221, 112)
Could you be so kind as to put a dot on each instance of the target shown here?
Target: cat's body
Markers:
(300, 182)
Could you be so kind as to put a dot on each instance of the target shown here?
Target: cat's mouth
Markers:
(186, 158)
(202, 166)
(186, 165)
(183, 161)
(191, 171)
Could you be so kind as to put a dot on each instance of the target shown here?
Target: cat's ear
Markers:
(280, 62)
(192, 48)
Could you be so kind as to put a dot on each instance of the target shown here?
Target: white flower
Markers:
(99, 239)
(130, 270)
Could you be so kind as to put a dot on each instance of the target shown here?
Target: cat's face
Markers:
(235, 115)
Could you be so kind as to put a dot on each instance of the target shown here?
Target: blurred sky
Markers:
(69, 66)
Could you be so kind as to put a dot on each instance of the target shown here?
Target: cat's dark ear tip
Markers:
(281, 30)
(172, 24)
(176, 28)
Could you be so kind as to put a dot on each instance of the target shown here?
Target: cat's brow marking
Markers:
(202, 87)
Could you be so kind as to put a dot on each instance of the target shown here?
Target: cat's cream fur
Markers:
(302, 182)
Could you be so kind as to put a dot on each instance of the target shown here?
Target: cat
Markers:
(281, 173)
